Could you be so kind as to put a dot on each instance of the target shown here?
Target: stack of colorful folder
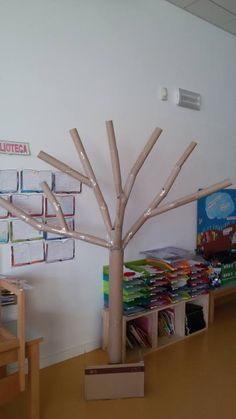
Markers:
(188, 274)
(155, 282)
(144, 287)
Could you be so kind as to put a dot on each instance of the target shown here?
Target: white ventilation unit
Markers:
(188, 99)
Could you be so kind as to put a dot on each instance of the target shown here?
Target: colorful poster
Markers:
(216, 222)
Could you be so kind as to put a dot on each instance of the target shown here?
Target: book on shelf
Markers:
(7, 298)
(137, 335)
(166, 323)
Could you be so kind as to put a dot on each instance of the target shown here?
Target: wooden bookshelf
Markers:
(150, 319)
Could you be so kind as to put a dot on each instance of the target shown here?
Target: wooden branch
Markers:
(190, 198)
(162, 194)
(58, 164)
(139, 162)
(53, 200)
(114, 158)
(89, 172)
(171, 179)
(177, 203)
(37, 225)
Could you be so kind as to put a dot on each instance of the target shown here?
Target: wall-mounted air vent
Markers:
(188, 99)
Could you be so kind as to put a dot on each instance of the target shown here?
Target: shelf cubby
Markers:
(149, 320)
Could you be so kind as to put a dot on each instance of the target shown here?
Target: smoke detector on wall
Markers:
(188, 99)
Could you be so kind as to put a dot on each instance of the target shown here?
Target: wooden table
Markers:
(218, 293)
(9, 384)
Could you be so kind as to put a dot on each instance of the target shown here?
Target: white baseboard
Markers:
(48, 360)
(55, 358)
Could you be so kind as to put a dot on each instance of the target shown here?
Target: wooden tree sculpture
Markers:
(116, 242)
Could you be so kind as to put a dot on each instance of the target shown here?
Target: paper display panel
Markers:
(32, 204)
(59, 250)
(67, 204)
(27, 253)
(4, 232)
(8, 181)
(65, 183)
(3, 212)
(53, 223)
(31, 179)
(20, 231)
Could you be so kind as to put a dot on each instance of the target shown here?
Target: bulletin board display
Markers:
(22, 188)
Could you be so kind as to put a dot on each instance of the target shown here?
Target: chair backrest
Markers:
(20, 333)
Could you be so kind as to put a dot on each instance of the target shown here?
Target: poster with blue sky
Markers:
(216, 222)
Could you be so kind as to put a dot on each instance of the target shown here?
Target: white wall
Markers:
(73, 63)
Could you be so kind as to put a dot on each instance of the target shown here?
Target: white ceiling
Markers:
(221, 13)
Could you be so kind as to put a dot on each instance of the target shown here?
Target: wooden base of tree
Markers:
(114, 381)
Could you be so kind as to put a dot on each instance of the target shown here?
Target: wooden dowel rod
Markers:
(89, 172)
(114, 158)
(64, 168)
(139, 162)
(161, 195)
(173, 175)
(52, 199)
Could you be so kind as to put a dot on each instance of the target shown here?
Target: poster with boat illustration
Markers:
(216, 222)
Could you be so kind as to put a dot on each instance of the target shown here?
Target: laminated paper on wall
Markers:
(20, 231)
(27, 252)
(31, 204)
(4, 231)
(8, 181)
(59, 250)
(3, 212)
(31, 179)
(63, 183)
(67, 203)
(52, 222)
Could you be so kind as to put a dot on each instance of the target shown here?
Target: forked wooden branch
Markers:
(139, 162)
(190, 198)
(161, 195)
(37, 225)
(89, 172)
(175, 204)
(125, 194)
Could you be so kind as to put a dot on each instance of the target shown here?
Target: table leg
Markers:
(33, 377)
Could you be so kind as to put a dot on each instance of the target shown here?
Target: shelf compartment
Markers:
(150, 318)
(196, 313)
(170, 324)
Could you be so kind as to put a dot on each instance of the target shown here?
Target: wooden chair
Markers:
(12, 347)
